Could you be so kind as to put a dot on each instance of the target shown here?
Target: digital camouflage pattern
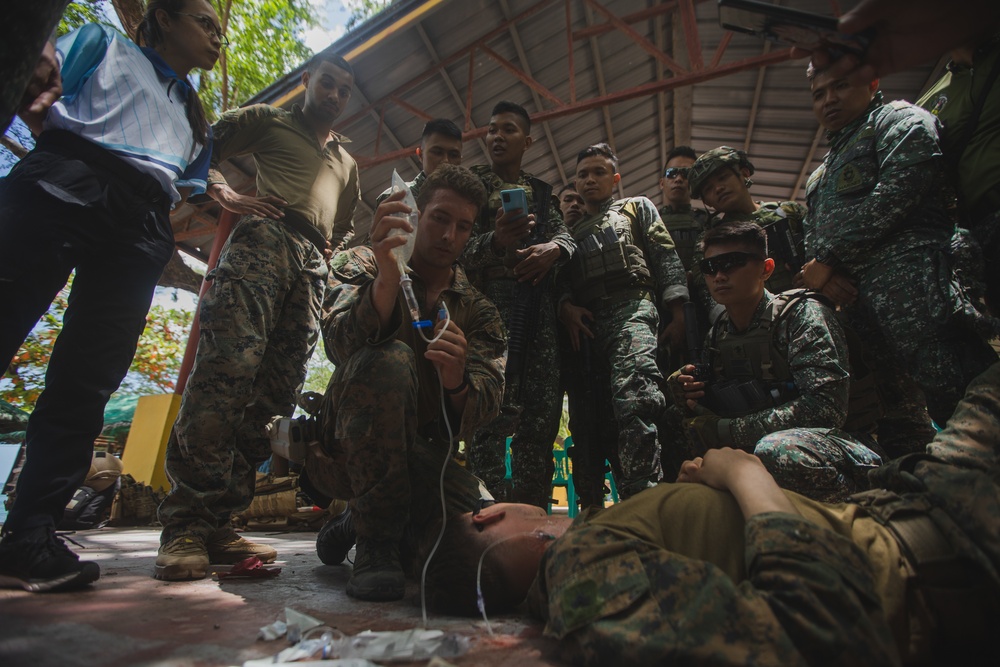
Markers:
(625, 331)
(711, 161)
(534, 430)
(616, 590)
(259, 324)
(686, 225)
(816, 589)
(381, 417)
(972, 155)
(800, 441)
(877, 214)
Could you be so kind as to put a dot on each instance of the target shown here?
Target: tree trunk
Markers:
(129, 13)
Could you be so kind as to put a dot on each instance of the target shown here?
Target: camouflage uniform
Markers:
(835, 586)
(260, 318)
(800, 441)
(972, 154)
(259, 323)
(686, 225)
(537, 390)
(877, 215)
(623, 301)
(384, 438)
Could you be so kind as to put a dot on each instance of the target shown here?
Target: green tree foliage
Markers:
(86, 11)
(265, 43)
(362, 10)
(154, 368)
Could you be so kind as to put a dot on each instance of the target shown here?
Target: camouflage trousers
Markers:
(920, 313)
(259, 325)
(533, 432)
(625, 337)
(587, 383)
(374, 454)
(824, 464)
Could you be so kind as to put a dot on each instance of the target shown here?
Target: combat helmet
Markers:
(105, 469)
(713, 160)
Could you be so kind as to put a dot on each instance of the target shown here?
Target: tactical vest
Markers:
(749, 372)
(609, 263)
(754, 357)
(685, 228)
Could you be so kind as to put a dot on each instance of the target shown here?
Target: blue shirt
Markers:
(129, 101)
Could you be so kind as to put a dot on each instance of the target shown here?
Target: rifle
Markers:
(522, 325)
(783, 244)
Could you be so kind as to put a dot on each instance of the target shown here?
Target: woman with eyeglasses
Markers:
(127, 140)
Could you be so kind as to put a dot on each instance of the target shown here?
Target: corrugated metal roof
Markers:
(405, 43)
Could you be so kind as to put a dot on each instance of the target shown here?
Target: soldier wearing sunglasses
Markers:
(778, 374)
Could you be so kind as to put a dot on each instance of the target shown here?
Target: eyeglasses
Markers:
(676, 172)
(208, 25)
(726, 262)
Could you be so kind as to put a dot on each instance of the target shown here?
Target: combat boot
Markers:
(336, 538)
(181, 559)
(377, 575)
(225, 547)
(38, 561)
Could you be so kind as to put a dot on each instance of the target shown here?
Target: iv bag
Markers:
(402, 253)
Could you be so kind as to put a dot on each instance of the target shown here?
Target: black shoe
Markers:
(377, 576)
(38, 561)
(336, 538)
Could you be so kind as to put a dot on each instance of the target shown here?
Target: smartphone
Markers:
(514, 198)
(792, 27)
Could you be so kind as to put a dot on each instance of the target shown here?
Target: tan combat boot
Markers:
(225, 547)
(181, 559)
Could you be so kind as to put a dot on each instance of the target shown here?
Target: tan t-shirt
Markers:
(320, 183)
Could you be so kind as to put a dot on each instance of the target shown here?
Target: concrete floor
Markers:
(129, 619)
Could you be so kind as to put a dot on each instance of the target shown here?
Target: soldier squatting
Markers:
(738, 367)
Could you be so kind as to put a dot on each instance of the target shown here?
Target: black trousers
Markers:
(70, 205)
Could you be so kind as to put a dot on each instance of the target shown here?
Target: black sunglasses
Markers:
(726, 262)
(676, 172)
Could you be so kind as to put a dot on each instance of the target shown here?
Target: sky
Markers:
(332, 15)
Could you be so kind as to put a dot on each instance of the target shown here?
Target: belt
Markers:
(75, 147)
(617, 297)
(300, 224)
